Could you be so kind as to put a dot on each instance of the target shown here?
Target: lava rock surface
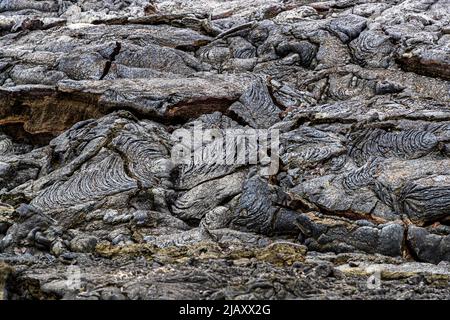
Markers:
(91, 93)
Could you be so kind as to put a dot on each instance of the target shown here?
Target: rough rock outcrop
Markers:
(92, 94)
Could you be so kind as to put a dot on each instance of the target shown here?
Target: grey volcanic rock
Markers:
(96, 97)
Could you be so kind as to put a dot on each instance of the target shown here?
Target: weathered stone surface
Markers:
(92, 94)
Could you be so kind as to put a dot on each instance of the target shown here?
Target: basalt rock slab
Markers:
(98, 97)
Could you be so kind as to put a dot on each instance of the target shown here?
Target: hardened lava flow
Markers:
(92, 205)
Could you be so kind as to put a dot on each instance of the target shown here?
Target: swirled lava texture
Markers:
(93, 92)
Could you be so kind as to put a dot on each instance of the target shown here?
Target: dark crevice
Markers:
(235, 117)
(112, 57)
(185, 112)
(317, 121)
(18, 134)
(138, 114)
(173, 20)
(408, 250)
(274, 100)
(350, 215)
